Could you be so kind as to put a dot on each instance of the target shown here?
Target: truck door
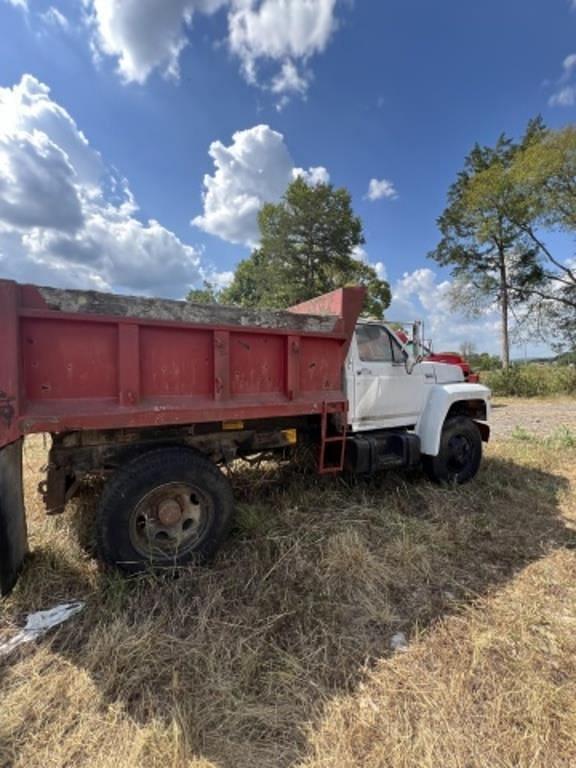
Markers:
(13, 541)
(384, 393)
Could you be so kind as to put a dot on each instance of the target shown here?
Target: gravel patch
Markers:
(540, 417)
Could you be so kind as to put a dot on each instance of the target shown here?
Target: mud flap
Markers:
(13, 536)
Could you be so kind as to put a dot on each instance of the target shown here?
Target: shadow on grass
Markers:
(317, 576)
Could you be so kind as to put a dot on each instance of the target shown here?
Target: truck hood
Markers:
(443, 373)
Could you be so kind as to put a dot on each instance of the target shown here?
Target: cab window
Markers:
(376, 345)
(398, 354)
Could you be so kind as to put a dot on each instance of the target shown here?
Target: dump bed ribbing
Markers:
(74, 360)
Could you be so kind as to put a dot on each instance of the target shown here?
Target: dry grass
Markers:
(278, 654)
(495, 686)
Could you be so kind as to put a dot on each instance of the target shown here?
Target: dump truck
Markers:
(157, 397)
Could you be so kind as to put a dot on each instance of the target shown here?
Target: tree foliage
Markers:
(467, 349)
(496, 227)
(479, 361)
(489, 254)
(545, 174)
(208, 294)
(308, 246)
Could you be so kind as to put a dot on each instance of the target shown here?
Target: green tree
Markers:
(479, 361)
(467, 349)
(208, 294)
(484, 362)
(489, 254)
(545, 175)
(567, 358)
(308, 246)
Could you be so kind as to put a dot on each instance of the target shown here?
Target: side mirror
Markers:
(412, 362)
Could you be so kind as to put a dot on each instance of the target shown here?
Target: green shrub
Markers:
(532, 380)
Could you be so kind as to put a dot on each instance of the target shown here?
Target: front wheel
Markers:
(165, 509)
(460, 454)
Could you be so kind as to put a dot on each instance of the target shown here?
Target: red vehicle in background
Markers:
(452, 358)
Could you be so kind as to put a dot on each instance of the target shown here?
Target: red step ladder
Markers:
(332, 464)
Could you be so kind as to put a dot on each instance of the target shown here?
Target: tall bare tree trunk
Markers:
(505, 339)
(504, 311)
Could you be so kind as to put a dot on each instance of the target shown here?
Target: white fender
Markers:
(440, 400)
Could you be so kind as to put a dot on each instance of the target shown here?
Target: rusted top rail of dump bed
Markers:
(73, 360)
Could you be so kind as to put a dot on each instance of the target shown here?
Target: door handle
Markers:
(362, 371)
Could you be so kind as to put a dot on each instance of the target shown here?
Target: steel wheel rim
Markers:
(169, 521)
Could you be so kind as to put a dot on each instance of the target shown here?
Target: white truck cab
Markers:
(421, 410)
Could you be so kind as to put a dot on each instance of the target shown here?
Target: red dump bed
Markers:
(84, 360)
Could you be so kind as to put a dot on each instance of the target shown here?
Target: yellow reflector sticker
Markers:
(291, 436)
(232, 425)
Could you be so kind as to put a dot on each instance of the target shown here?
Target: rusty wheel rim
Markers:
(169, 521)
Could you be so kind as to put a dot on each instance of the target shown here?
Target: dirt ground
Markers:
(539, 417)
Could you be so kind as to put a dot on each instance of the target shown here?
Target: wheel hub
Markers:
(459, 451)
(170, 519)
(169, 512)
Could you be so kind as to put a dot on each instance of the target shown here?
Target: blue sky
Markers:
(382, 90)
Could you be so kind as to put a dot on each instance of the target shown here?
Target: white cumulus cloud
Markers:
(256, 168)
(280, 29)
(65, 219)
(145, 36)
(37, 184)
(421, 295)
(379, 267)
(149, 36)
(290, 81)
(315, 175)
(564, 97)
(565, 93)
(123, 252)
(284, 31)
(423, 285)
(381, 188)
(28, 107)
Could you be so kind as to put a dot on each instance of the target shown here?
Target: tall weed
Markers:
(532, 380)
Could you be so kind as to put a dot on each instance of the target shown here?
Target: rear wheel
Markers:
(165, 509)
(460, 453)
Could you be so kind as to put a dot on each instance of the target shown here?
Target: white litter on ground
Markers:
(39, 623)
(398, 642)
